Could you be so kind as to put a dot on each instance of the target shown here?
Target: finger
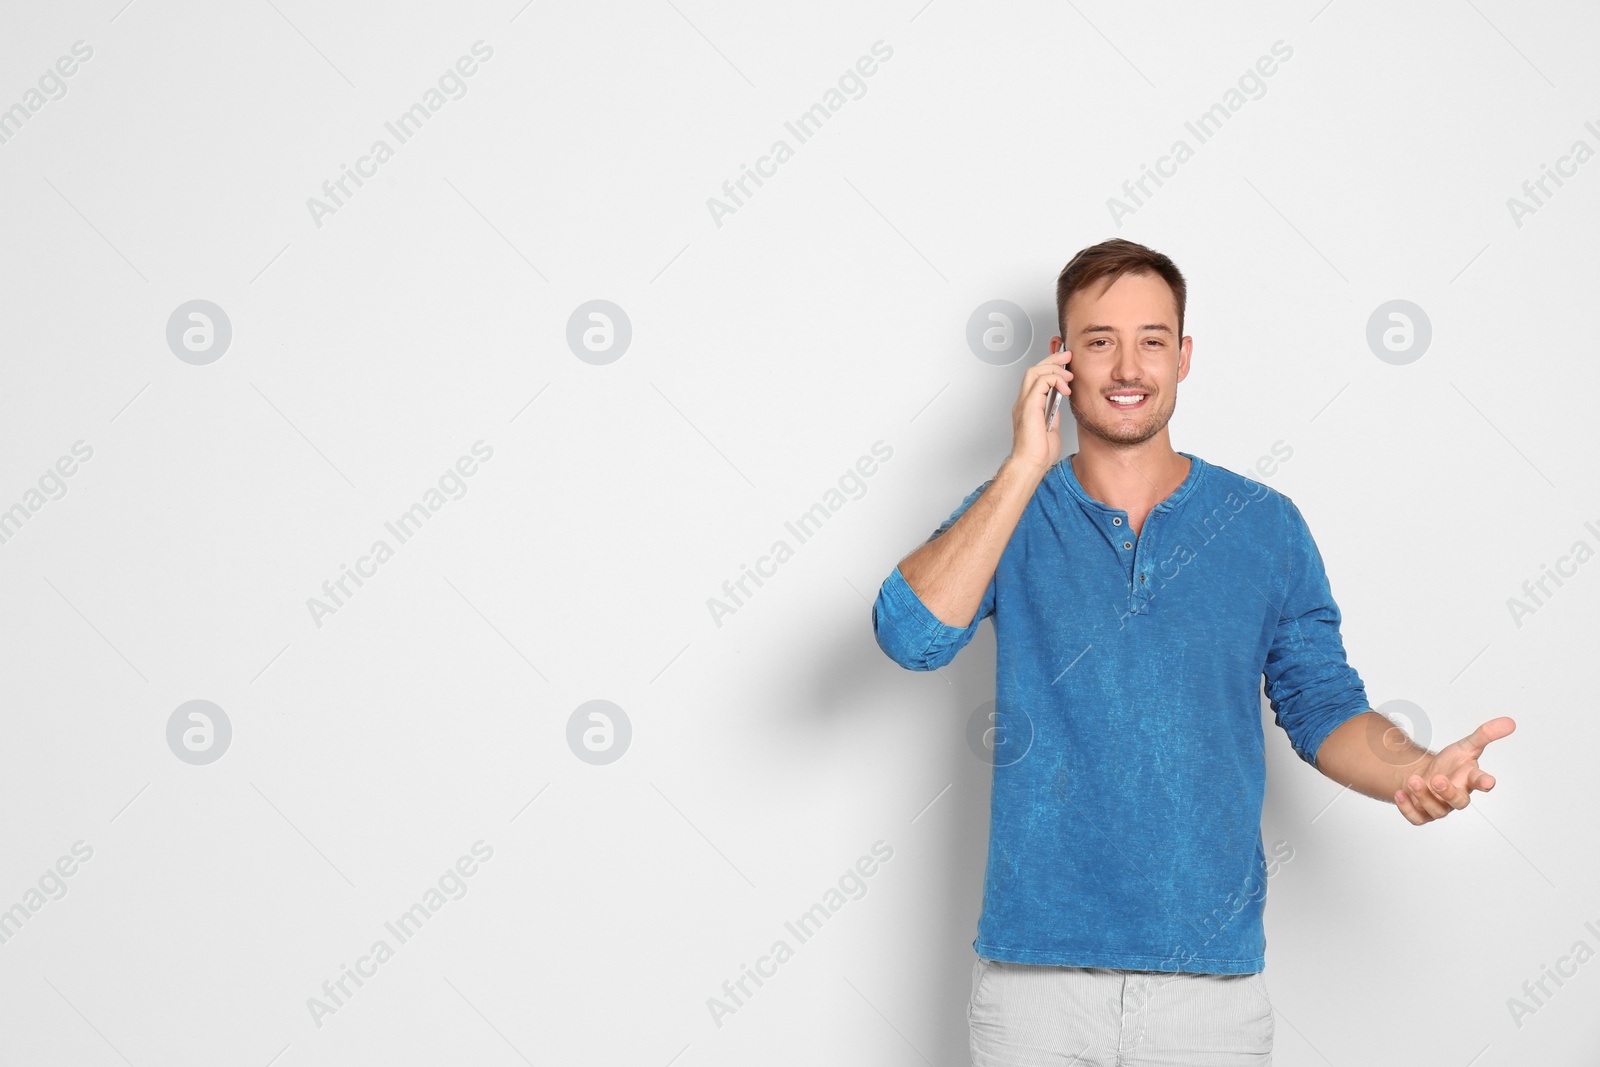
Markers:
(1042, 389)
(1049, 377)
(1483, 782)
(1448, 792)
(1055, 366)
(1402, 800)
(1041, 376)
(1036, 384)
(1423, 797)
(1416, 807)
(1426, 797)
(1493, 730)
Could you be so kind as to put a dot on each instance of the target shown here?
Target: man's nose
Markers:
(1125, 368)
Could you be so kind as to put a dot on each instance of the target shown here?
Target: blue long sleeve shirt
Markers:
(1125, 815)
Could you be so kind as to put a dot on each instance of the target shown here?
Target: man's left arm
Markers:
(1374, 757)
(1319, 700)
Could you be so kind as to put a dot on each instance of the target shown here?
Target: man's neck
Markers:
(1131, 478)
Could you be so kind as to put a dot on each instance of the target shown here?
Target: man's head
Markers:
(1119, 306)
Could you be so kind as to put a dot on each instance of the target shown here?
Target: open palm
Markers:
(1445, 782)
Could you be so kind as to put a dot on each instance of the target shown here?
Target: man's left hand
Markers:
(1443, 783)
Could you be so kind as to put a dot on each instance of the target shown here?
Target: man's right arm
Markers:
(930, 605)
(952, 570)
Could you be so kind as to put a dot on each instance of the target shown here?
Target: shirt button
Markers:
(1127, 544)
(1116, 521)
(1141, 577)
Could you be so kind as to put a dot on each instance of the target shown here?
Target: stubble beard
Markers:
(1119, 432)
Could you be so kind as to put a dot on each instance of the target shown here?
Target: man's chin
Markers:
(1119, 432)
(1122, 433)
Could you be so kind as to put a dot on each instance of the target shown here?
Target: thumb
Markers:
(1493, 730)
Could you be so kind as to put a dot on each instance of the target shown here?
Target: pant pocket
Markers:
(1268, 1017)
(980, 971)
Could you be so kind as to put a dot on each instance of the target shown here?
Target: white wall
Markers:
(771, 347)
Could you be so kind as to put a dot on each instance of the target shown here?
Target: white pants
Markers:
(1024, 1014)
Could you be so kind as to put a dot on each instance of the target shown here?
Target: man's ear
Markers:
(1184, 350)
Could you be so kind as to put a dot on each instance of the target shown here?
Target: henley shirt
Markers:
(1128, 771)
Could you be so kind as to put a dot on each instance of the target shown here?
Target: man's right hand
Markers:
(950, 573)
(1034, 447)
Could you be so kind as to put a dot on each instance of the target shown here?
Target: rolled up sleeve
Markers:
(913, 636)
(1312, 688)
(907, 631)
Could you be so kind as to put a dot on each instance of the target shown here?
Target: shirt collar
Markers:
(1067, 478)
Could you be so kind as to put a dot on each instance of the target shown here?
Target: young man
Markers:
(1140, 596)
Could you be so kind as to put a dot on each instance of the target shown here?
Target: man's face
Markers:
(1124, 342)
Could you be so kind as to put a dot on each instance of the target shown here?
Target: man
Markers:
(1140, 596)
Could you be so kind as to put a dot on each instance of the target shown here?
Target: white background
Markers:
(769, 352)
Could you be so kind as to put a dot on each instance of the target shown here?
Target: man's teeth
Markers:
(1127, 399)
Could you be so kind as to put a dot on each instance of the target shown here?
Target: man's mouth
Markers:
(1127, 399)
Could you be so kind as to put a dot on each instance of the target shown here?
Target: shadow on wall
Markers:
(931, 775)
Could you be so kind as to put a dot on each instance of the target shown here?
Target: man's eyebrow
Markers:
(1161, 326)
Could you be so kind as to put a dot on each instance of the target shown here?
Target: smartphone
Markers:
(1052, 404)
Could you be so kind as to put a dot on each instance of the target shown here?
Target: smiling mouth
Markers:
(1127, 400)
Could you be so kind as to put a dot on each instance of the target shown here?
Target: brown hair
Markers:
(1110, 260)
